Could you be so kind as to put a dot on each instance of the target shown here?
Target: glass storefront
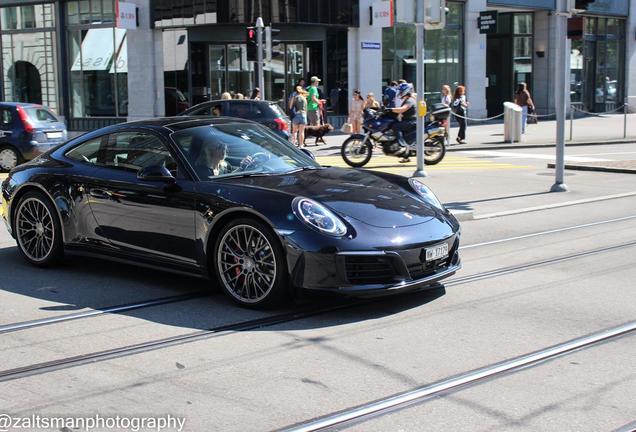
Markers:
(29, 62)
(98, 60)
(443, 53)
(598, 64)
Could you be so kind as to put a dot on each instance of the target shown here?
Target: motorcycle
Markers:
(357, 150)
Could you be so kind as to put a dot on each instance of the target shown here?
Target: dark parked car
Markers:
(26, 131)
(264, 112)
(228, 199)
(176, 102)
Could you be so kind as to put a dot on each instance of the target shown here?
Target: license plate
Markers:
(54, 135)
(437, 252)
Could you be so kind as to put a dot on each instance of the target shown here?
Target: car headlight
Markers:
(427, 195)
(318, 216)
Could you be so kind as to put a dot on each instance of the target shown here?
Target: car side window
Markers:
(6, 118)
(132, 151)
(213, 110)
(86, 152)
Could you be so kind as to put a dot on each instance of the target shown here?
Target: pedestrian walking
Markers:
(524, 100)
(292, 97)
(447, 99)
(299, 120)
(313, 102)
(256, 94)
(355, 112)
(460, 105)
(388, 97)
(225, 96)
(371, 103)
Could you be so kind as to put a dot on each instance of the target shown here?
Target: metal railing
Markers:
(577, 107)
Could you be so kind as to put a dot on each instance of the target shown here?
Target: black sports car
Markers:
(229, 199)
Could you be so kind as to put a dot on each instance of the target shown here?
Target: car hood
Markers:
(351, 193)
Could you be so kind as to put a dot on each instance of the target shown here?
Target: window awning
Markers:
(98, 51)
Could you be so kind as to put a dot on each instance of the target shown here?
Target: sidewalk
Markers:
(588, 130)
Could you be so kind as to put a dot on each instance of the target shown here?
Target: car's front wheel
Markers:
(37, 230)
(249, 263)
(9, 158)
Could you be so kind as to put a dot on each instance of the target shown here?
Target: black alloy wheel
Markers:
(249, 264)
(37, 230)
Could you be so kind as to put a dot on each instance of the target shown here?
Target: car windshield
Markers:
(239, 149)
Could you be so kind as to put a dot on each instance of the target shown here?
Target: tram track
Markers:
(25, 325)
(273, 320)
(392, 403)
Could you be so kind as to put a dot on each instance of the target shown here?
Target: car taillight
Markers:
(282, 124)
(28, 127)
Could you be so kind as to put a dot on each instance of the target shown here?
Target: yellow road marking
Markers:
(391, 164)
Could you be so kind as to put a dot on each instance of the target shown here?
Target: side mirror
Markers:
(308, 153)
(156, 173)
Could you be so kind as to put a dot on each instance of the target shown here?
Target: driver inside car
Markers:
(211, 160)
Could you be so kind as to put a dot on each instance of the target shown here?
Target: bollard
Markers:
(512, 122)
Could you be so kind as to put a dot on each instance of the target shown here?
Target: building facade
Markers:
(70, 55)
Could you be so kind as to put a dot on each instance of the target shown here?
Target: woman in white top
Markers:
(355, 112)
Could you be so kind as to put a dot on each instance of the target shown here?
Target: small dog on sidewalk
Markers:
(318, 132)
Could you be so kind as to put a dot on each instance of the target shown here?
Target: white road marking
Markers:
(605, 154)
(515, 155)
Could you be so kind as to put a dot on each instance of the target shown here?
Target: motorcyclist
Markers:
(406, 120)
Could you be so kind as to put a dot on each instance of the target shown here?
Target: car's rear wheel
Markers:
(37, 230)
(9, 158)
(249, 263)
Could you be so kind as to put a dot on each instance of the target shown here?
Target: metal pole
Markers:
(259, 42)
(562, 70)
(571, 121)
(419, 71)
(625, 118)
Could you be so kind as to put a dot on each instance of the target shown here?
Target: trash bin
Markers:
(512, 122)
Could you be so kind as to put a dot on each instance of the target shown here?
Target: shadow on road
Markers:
(82, 283)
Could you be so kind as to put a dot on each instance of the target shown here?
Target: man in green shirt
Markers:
(313, 102)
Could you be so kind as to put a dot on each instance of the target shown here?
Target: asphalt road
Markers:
(558, 286)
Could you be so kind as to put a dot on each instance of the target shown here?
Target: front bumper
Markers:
(376, 272)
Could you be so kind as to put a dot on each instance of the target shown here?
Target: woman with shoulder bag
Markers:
(524, 100)
(460, 105)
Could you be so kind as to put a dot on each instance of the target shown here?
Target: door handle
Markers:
(99, 193)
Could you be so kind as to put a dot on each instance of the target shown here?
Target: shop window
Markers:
(29, 68)
(27, 17)
(443, 52)
(98, 72)
(90, 11)
(175, 71)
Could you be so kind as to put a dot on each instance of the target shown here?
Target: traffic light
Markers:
(269, 41)
(252, 44)
(297, 62)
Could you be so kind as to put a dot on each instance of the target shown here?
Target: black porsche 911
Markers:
(226, 198)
